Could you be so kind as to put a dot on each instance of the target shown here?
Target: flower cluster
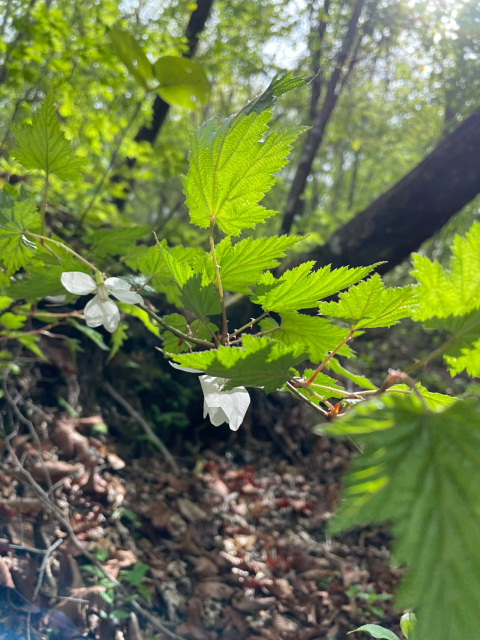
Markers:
(100, 310)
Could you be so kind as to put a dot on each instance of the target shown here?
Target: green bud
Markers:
(408, 623)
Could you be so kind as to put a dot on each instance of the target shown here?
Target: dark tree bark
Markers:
(414, 209)
(343, 65)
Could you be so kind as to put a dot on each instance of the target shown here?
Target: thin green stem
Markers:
(44, 239)
(309, 403)
(218, 280)
(322, 366)
(43, 210)
(177, 332)
(439, 351)
(249, 325)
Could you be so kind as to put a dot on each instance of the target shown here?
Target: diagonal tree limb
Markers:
(323, 114)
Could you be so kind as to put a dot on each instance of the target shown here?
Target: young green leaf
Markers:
(132, 55)
(242, 264)
(280, 84)
(318, 335)
(361, 381)
(183, 82)
(369, 304)
(300, 288)
(43, 146)
(421, 471)
(16, 250)
(259, 363)
(376, 631)
(201, 301)
(455, 291)
(232, 166)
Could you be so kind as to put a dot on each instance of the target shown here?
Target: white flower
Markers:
(221, 406)
(224, 406)
(100, 310)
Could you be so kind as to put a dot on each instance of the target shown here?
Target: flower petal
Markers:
(78, 282)
(187, 369)
(121, 290)
(99, 312)
(224, 406)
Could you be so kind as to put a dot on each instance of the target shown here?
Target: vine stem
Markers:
(72, 252)
(218, 280)
(43, 211)
(177, 332)
(322, 366)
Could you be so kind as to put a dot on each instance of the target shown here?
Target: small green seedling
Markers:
(408, 623)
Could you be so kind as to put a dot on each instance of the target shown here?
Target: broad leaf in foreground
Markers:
(260, 363)
(420, 471)
(43, 146)
(370, 305)
(300, 288)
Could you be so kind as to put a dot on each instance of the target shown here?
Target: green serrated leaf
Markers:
(115, 242)
(119, 336)
(300, 288)
(242, 264)
(132, 55)
(318, 335)
(376, 631)
(454, 291)
(183, 82)
(15, 251)
(12, 321)
(43, 146)
(324, 385)
(232, 166)
(259, 363)
(201, 301)
(360, 381)
(30, 342)
(44, 279)
(280, 85)
(172, 343)
(369, 304)
(468, 361)
(420, 471)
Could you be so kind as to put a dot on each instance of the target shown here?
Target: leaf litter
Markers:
(234, 547)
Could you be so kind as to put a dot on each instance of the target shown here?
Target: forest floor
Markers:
(231, 544)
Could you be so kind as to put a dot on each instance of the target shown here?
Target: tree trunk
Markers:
(322, 118)
(414, 209)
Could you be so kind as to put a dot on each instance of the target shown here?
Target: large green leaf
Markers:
(183, 82)
(16, 250)
(420, 471)
(132, 55)
(232, 166)
(242, 264)
(369, 304)
(300, 288)
(318, 335)
(259, 363)
(455, 291)
(43, 146)
(202, 301)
